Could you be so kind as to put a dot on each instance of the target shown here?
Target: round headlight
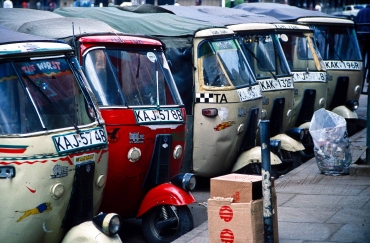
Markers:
(352, 104)
(109, 224)
(185, 181)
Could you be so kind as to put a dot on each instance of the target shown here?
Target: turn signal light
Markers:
(210, 112)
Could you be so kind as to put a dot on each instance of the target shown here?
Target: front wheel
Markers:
(166, 223)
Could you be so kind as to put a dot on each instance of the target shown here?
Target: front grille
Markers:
(80, 207)
(249, 139)
(307, 108)
(159, 169)
(276, 119)
(340, 97)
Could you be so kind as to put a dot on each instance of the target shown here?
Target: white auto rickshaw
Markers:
(53, 146)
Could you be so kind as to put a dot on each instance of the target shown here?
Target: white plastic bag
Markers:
(330, 137)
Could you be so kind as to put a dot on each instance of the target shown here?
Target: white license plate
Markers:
(162, 115)
(85, 139)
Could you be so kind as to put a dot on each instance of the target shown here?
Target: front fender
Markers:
(288, 143)
(165, 193)
(305, 125)
(344, 112)
(87, 232)
(253, 156)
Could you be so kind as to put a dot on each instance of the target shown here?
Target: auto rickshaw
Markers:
(337, 43)
(145, 120)
(268, 63)
(222, 98)
(53, 152)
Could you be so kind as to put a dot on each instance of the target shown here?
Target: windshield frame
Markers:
(157, 58)
(225, 72)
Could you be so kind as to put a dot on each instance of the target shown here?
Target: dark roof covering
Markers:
(15, 17)
(282, 12)
(219, 15)
(8, 36)
(154, 24)
(62, 27)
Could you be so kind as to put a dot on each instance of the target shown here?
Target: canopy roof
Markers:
(159, 23)
(15, 17)
(219, 15)
(8, 36)
(282, 12)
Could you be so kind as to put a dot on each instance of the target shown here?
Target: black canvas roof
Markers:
(8, 36)
(15, 17)
(219, 15)
(282, 12)
(158, 24)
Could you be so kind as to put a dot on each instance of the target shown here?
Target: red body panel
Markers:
(165, 194)
(123, 192)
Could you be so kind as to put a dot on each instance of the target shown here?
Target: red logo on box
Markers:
(226, 213)
(227, 236)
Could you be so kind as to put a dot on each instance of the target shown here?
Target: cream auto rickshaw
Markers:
(268, 63)
(53, 152)
(222, 98)
(337, 43)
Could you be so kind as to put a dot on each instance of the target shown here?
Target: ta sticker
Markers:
(151, 56)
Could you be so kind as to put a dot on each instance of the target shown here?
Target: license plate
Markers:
(161, 115)
(85, 139)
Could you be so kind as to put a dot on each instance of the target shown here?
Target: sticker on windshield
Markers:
(279, 84)
(249, 93)
(309, 77)
(161, 115)
(151, 56)
(82, 140)
(343, 65)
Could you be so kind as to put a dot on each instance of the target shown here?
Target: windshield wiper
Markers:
(255, 57)
(24, 75)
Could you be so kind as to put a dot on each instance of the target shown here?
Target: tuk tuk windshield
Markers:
(224, 65)
(298, 52)
(130, 78)
(38, 95)
(337, 43)
(265, 56)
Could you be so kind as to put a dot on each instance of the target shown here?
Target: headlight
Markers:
(109, 224)
(275, 146)
(185, 181)
(296, 133)
(352, 104)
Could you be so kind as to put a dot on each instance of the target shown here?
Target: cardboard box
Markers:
(243, 188)
(235, 222)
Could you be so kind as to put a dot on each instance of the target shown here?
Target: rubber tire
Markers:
(151, 234)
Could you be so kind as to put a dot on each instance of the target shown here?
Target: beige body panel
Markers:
(253, 156)
(288, 143)
(34, 209)
(217, 139)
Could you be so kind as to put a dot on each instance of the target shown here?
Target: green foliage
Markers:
(236, 2)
